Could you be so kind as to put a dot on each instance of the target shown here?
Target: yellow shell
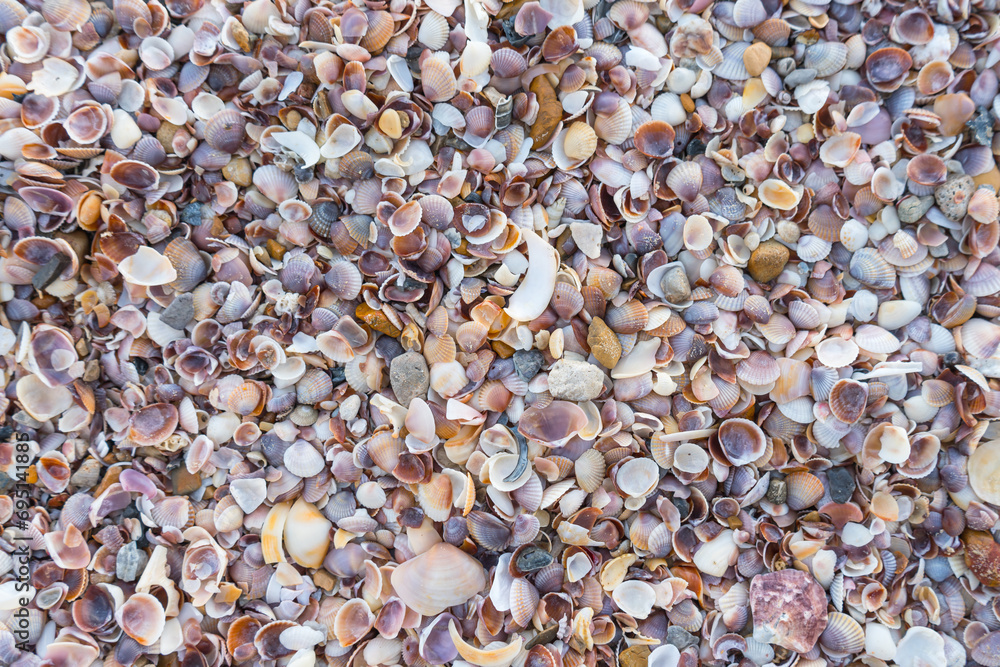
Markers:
(581, 141)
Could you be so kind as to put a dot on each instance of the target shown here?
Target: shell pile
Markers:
(544, 333)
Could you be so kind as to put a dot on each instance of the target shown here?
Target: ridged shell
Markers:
(804, 490)
(732, 67)
(344, 280)
(843, 635)
(438, 80)
(589, 469)
(275, 184)
(826, 58)
(188, 262)
(685, 181)
(630, 317)
(433, 31)
(616, 127)
(870, 268)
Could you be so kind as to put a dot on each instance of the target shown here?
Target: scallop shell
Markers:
(275, 184)
(438, 80)
(434, 31)
(870, 268)
(188, 264)
(843, 635)
(685, 181)
(803, 490)
(826, 58)
(589, 469)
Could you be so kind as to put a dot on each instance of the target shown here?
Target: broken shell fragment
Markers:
(789, 609)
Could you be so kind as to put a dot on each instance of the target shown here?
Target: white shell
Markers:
(635, 598)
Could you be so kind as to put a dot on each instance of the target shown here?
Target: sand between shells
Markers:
(462, 332)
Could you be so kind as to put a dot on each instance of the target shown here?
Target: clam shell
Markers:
(437, 579)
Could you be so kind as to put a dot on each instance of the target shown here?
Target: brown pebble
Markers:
(549, 111)
(756, 58)
(604, 343)
(377, 320)
(767, 261)
(184, 482)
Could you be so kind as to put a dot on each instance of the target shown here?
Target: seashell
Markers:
(86, 124)
(438, 80)
(788, 608)
(685, 181)
(523, 601)
(567, 300)
(875, 339)
(803, 490)
(731, 66)
(487, 657)
(448, 577)
(28, 44)
(275, 184)
(12, 14)
(655, 138)
(580, 141)
(934, 77)
(827, 58)
(153, 424)
(778, 195)
(142, 618)
(870, 268)
(353, 621)
(630, 317)
(589, 470)
(637, 477)
(841, 149)
(912, 26)
(848, 399)
(887, 68)
(532, 19)
(135, 175)
(759, 368)
(635, 598)
(434, 31)
(842, 635)
(224, 132)
(188, 264)
(919, 645)
(742, 441)
(983, 465)
(748, 13)
(984, 207)
(507, 63)
(302, 459)
(306, 534)
(227, 515)
(616, 126)
(717, 555)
